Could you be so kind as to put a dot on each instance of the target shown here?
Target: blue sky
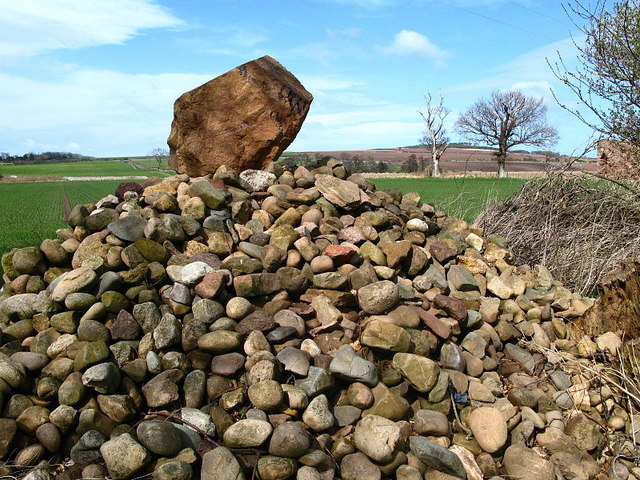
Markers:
(99, 77)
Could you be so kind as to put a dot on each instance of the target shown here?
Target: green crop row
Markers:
(31, 212)
(460, 197)
(97, 168)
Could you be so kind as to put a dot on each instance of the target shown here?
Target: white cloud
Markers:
(31, 27)
(102, 112)
(410, 43)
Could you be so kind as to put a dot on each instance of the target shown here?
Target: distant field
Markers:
(97, 168)
(151, 163)
(31, 212)
(460, 197)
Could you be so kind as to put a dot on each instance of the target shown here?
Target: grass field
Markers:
(460, 197)
(151, 162)
(31, 212)
(97, 168)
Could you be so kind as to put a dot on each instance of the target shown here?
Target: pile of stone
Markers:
(275, 324)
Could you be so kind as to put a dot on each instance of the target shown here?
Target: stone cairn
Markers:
(275, 324)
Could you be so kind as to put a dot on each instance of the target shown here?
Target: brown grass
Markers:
(579, 227)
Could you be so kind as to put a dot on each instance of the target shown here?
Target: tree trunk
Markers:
(501, 157)
(436, 168)
(502, 173)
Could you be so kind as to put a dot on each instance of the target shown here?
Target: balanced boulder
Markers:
(244, 119)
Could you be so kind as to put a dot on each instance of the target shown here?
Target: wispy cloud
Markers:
(93, 111)
(31, 27)
(414, 44)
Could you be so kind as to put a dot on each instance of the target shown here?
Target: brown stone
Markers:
(244, 119)
(437, 326)
(441, 252)
(452, 306)
(211, 284)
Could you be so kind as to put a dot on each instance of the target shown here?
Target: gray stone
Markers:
(294, 360)
(462, 279)
(346, 414)
(220, 463)
(347, 364)
(339, 192)
(520, 355)
(437, 457)
(289, 439)
(103, 378)
(318, 380)
(161, 438)
(318, 414)
(451, 357)
(124, 456)
(87, 450)
(129, 228)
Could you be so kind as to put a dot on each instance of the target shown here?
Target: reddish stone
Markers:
(258, 320)
(244, 119)
(396, 252)
(436, 325)
(218, 183)
(339, 253)
(454, 307)
(211, 284)
(302, 309)
(442, 253)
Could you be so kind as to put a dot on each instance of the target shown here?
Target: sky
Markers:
(99, 77)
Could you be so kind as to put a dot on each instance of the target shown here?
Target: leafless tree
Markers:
(504, 120)
(435, 135)
(607, 80)
(159, 154)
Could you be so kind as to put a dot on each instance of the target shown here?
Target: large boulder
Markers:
(244, 119)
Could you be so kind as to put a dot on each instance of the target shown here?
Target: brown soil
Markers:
(462, 160)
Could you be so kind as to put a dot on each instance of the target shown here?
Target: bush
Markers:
(580, 228)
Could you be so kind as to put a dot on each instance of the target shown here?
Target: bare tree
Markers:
(504, 120)
(435, 135)
(607, 80)
(159, 154)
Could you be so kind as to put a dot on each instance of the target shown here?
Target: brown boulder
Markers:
(244, 119)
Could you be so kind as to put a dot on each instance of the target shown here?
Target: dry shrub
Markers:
(579, 227)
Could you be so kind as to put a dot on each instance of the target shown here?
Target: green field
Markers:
(31, 212)
(151, 163)
(97, 168)
(460, 197)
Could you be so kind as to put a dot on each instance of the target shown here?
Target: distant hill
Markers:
(458, 158)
